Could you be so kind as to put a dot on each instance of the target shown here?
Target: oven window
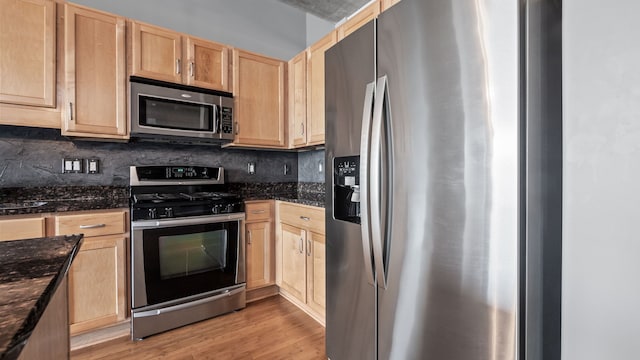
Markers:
(181, 261)
(171, 114)
(184, 255)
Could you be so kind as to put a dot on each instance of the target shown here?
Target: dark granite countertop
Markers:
(39, 200)
(53, 199)
(30, 272)
(312, 194)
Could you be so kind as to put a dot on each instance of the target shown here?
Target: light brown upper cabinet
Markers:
(298, 100)
(259, 93)
(306, 94)
(315, 88)
(362, 17)
(28, 63)
(162, 54)
(95, 74)
(386, 4)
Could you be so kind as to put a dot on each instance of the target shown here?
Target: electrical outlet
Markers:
(287, 169)
(251, 168)
(93, 166)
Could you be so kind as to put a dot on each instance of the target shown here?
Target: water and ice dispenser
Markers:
(346, 188)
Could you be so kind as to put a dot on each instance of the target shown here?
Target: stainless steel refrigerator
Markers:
(444, 202)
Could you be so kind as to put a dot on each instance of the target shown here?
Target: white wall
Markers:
(317, 28)
(268, 27)
(601, 246)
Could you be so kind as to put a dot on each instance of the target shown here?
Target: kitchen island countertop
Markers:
(30, 272)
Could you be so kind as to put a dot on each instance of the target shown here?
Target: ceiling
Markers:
(331, 10)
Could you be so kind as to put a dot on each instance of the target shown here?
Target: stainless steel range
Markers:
(187, 260)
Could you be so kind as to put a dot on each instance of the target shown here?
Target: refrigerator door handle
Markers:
(365, 148)
(378, 228)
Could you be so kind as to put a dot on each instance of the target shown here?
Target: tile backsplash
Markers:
(33, 157)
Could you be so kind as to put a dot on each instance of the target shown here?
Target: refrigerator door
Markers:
(351, 315)
(452, 255)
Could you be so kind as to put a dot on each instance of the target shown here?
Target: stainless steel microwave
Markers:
(166, 111)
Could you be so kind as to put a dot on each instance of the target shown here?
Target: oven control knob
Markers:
(168, 212)
(215, 209)
(153, 213)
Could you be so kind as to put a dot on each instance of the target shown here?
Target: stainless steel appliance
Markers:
(187, 260)
(166, 111)
(445, 118)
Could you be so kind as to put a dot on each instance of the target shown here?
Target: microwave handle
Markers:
(216, 119)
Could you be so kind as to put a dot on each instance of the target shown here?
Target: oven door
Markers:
(174, 259)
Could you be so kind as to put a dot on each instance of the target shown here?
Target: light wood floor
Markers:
(271, 328)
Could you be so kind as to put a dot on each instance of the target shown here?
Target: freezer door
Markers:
(351, 320)
(452, 254)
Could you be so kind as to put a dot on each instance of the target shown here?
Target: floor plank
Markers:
(271, 328)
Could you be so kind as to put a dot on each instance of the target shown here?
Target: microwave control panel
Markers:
(226, 120)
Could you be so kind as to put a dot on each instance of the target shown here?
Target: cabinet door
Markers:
(364, 16)
(298, 100)
(259, 253)
(15, 229)
(208, 64)
(97, 294)
(28, 52)
(315, 89)
(385, 4)
(156, 53)
(258, 85)
(95, 74)
(294, 261)
(316, 272)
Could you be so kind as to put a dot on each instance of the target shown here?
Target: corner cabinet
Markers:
(301, 265)
(259, 93)
(97, 282)
(166, 55)
(95, 74)
(298, 128)
(28, 63)
(306, 94)
(316, 88)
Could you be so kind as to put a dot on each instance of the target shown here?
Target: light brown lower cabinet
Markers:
(259, 241)
(301, 249)
(17, 227)
(97, 280)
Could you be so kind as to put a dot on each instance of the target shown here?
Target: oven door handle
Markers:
(169, 309)
(197, 220)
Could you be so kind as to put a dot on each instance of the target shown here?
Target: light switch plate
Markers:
(72, 166)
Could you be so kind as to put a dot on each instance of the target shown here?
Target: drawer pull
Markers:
(94, 226)
(258, 212)
(305, 218)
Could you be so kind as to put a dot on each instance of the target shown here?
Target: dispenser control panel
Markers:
(346, 188)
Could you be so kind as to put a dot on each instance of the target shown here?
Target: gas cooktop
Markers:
(161, 192)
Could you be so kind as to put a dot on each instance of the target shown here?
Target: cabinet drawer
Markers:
(303, 216)
(94, 224)
(258, 210)
(15, 229)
